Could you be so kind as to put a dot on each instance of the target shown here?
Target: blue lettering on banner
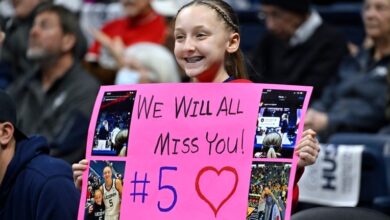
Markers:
(330, 168)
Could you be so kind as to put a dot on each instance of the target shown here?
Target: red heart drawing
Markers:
(203, 197)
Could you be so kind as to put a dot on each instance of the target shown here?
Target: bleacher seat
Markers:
(375, 176)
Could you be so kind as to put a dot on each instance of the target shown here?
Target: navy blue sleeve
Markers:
(59, 199)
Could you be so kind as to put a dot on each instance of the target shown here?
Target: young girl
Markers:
(207, 44)
(96, 211)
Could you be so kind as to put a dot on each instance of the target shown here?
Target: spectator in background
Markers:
(356, 101)
(56, 99)
(13, 56)
(14, 61)
(90, 193)
(33, 185)
(299, 48)
(140, 24)
(5, 76)
(147, 63)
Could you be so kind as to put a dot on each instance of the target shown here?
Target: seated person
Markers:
(299, 48)
(356, 101)
(147, 63)
(56, 98)
(33, 185)
(140, 24)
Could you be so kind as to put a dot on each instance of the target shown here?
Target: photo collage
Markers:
(279, 113)
(275, 139)
(105, 177)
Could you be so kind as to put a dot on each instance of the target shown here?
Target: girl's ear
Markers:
(234, 43)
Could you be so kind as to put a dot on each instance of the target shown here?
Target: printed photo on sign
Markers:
(277, 123)
(113, 123)
(104, 192)
(268, 191)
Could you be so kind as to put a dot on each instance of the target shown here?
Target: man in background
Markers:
(298, 48)
(56, 98)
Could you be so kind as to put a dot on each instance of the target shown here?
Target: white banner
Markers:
(335, 178)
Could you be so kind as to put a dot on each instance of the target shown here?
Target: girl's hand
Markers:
(78, 169)
(307, 149)
(90, 209)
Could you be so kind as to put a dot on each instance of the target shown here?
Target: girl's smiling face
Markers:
(201, 42)
(98, 197)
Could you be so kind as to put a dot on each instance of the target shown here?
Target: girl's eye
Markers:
(201, 35)
(179, 37)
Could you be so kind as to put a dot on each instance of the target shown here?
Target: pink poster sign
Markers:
(193, 151)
